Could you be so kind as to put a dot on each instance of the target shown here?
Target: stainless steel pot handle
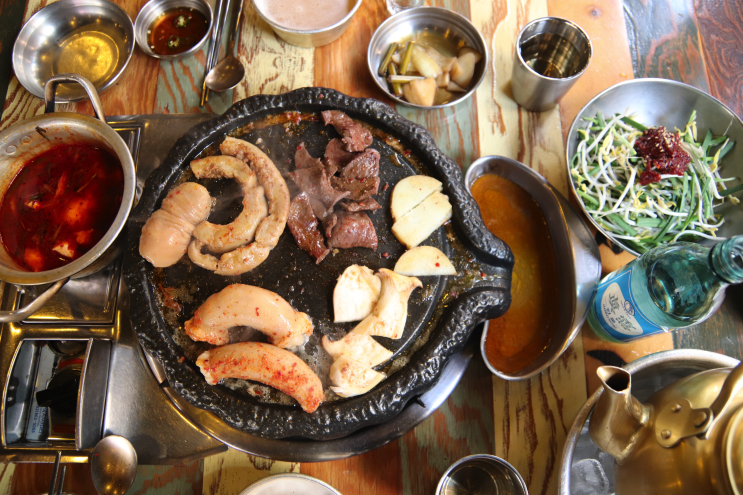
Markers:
(34, 306)
(50, 90)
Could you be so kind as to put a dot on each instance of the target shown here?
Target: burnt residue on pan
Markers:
(441, 314)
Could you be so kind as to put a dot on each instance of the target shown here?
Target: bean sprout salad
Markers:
(606, 172)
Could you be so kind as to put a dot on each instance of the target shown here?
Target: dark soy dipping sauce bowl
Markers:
(153, 9)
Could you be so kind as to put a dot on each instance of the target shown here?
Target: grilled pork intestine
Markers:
(357, 352)
(246, 305)
(267, 364)
(241, 231)
(166, 234)
(244, 259)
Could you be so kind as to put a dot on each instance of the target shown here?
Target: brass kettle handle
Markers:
(732, 386)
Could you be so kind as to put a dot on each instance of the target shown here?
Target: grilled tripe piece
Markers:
(358, 347)
(266, 364)
(355, 294)
(166, 234)
(391, 311)
(351, 378)
(246, 305)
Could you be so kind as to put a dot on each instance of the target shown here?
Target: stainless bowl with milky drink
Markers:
(304, 36)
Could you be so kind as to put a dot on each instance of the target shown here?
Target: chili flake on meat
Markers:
(662, 153)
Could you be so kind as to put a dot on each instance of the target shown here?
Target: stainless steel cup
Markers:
(551, 54)
(481, 474)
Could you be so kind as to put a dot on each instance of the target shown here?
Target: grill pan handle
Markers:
(50, 91)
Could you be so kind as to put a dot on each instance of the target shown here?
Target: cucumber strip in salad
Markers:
(606, 173)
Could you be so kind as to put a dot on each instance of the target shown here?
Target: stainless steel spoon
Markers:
(113, 465)
(230, 71)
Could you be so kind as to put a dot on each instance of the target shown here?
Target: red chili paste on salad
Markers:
(662, 153)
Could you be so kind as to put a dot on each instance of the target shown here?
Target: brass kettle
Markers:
(688, 438)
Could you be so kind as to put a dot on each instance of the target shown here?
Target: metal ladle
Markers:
(113, 465)
(230, 71)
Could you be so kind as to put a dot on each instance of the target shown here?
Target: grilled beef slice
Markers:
(303, 226)
(355, 136)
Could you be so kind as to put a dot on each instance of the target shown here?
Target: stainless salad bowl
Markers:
(661, 102)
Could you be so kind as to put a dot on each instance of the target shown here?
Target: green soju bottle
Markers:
(669, 287)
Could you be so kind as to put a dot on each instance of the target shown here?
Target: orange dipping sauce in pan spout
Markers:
(516, 339)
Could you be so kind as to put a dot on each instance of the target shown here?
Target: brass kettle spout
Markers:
(618, 421)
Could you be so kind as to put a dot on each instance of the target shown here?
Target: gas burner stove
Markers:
(82, 357)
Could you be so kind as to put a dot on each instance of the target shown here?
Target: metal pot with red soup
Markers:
(59, 205)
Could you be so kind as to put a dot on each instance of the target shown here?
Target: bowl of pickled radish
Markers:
(427, 57)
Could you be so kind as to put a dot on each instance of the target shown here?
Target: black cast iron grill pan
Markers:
(440, 317)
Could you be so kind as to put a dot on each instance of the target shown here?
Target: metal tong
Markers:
(221, 8)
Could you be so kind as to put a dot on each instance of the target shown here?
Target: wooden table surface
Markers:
(699, 42)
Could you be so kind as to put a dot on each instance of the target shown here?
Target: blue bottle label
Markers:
(617, 311)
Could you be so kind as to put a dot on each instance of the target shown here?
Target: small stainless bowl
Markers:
(153, 9)
(481, 474)
(310, 38)
(661, 102)
(435, 20)
(576, 252)
(93, 38)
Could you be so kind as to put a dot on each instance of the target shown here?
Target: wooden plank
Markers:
(7, 471)
(164, 480)
(462, 426)
(721, 332)
(603, 21)
(341, 65)
(228, 473)
(374, 473)
(722, 45)
(531, 417)
(664, 41)
(504, 128)
(272, 65)
(179, 87)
